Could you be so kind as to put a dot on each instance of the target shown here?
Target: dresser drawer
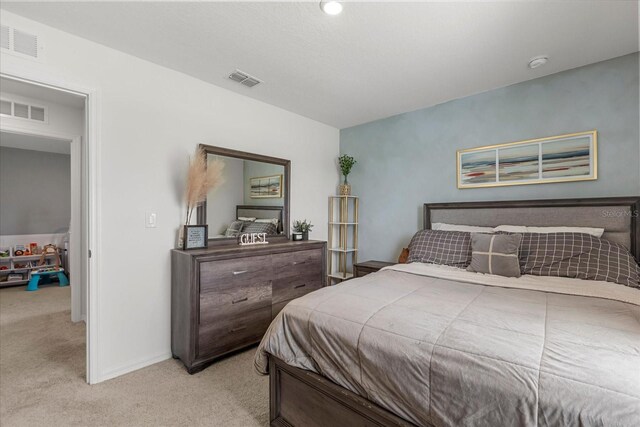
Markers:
(230, 300)
(219, 276)
(292, 264)
(289, 288)
(233, 332)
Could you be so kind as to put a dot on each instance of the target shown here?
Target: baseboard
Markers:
(116, 372)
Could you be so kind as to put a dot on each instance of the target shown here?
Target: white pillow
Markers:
(245, 218)
(273, 221)
(596, 232)
(454, 227)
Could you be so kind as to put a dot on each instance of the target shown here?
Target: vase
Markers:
(305, 235)
(345, 189)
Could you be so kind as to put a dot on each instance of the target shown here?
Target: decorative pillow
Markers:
(273, 221)
(578, 255)
(441, 247)
(596, 232)
(495, 254)
(259, 227)
(456, 227)
(234, 229)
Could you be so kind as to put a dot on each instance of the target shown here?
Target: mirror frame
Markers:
(221, 151)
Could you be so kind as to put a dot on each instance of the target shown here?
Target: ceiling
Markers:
(41, 93)
(372, 61)
(35, 143)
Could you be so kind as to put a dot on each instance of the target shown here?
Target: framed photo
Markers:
(562, 158)
(195, 236)
(266, 187)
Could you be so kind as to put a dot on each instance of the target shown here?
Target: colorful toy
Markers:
(47, 272)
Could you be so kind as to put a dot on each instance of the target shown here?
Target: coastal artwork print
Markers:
(266, 187)
(562, 158)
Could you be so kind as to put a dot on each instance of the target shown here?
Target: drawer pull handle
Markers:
(235, 273)
(238, 329)
(300, 286)
(239, 300)
(297, 262)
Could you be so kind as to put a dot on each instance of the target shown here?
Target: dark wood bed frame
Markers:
(302, 398)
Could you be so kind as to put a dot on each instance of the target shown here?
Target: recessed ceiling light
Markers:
(331, 7)
(538, 61)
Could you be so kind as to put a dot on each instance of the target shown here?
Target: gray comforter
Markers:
(448, 353)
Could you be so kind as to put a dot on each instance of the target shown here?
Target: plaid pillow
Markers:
(259, 227)
(578, 255)
(441, 247)
(234, 229)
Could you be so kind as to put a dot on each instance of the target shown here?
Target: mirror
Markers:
(253, 199)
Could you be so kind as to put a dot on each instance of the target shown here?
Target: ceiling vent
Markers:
(244, 78)
(22, 110)
(19, 42)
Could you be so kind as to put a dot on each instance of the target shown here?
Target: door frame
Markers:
(75, 225)
(90, 171)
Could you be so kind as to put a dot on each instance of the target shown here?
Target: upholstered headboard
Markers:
(617, 215)
(261, 212)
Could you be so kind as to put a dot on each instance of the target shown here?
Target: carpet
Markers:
(42, 370)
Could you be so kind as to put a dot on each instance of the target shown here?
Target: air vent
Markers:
(19, 42)
(4, 37)
(244, 78)
(23, 111)
(5, 107)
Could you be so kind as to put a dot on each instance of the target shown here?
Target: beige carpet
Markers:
(42, 368)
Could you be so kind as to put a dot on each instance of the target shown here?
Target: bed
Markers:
(263, 215)
(423, 344)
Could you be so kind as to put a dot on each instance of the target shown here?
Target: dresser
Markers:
(224, 298)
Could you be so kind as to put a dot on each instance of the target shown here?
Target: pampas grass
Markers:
(201, 179)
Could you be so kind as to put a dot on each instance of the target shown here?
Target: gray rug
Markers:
(42, 369)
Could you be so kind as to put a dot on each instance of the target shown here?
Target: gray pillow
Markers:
(234, 229)
(495, 254)
(579, 256)
(441, 247)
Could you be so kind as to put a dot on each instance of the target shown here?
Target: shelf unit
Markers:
(343, 237)
(24, 271)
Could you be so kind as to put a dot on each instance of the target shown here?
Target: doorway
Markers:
(59, 131)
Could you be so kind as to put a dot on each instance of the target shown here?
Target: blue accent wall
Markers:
(409, 159)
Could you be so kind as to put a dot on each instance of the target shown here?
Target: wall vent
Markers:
(244, 78)
(19, 42)
(20, 110)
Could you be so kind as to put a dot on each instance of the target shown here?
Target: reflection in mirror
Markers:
(251, 200)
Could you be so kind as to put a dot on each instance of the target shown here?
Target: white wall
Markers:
(151, 119)
(222, 202)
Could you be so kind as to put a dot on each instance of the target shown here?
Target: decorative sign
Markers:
(195, 236)
(253, 239)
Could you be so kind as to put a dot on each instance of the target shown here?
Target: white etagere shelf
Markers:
(343, 237)
(11, 261)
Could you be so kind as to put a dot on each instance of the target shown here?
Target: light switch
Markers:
(150, 219)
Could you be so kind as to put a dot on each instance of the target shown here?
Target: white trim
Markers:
(130, 367)
(75, 231)
(39, 76)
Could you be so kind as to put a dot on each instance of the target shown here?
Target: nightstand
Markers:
(363, 268)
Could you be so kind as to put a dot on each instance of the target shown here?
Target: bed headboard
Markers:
(617, 215)
(261, 212)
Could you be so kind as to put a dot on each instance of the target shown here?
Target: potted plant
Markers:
(346, 162)
(301, 228)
